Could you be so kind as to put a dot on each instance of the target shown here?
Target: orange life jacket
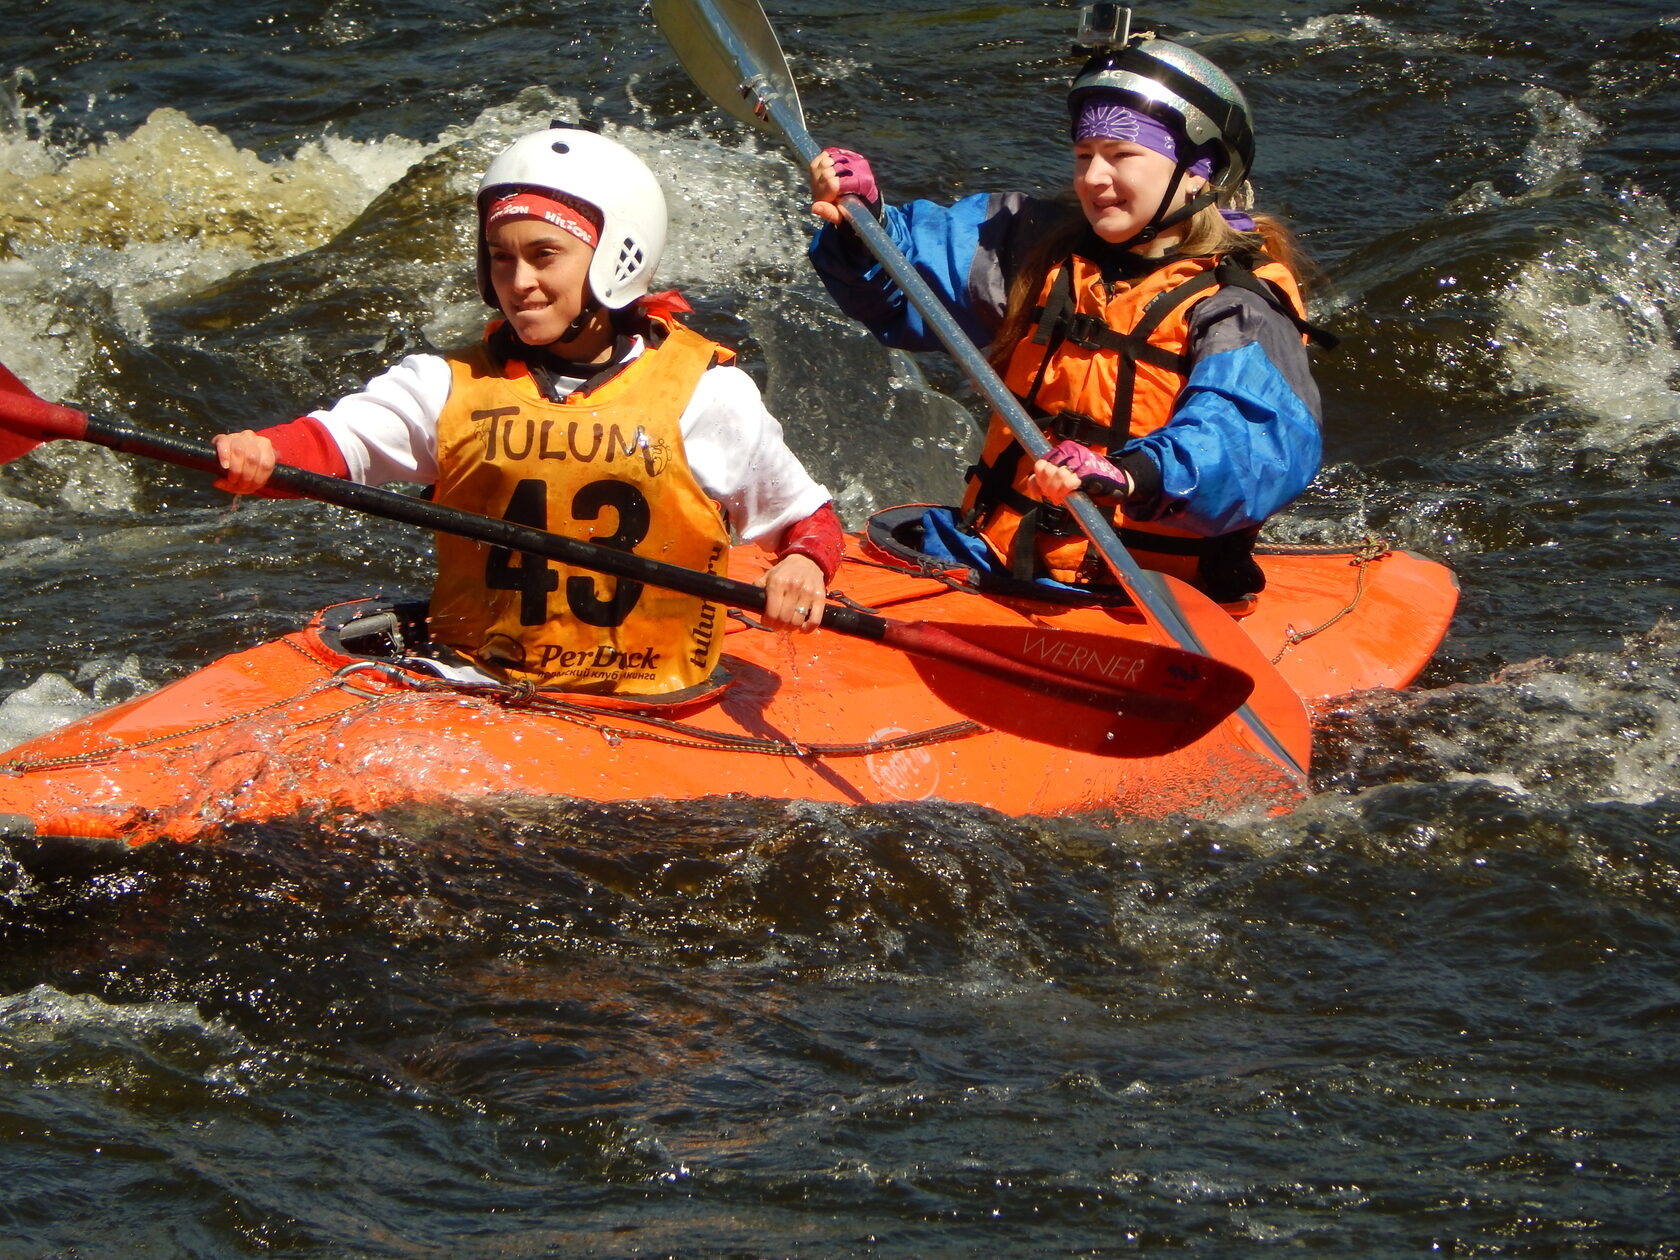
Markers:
(1100, 354)
(607, 467)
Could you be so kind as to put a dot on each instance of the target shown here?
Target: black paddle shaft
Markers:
(1050, 662)
(486, 529)
(917, 638)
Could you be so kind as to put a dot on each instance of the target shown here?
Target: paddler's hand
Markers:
(247, 460)
(836, 172)
(1072, 466)
(1054, 482)
(793, 594)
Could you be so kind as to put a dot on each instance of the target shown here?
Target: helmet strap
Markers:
(590, 306)
(1162, 220)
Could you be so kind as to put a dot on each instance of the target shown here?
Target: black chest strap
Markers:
(1058, 323)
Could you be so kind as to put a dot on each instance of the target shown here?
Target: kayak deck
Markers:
(323, 721)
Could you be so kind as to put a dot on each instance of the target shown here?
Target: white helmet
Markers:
(602, 172)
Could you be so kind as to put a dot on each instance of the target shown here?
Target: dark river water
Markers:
(1434, 1011)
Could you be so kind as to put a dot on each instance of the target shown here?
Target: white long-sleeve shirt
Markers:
(387, 431)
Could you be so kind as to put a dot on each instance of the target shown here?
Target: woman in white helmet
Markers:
(589, 410)
(1155, 331)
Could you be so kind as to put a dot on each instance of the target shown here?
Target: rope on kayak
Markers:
(95, 756)
(658, 729)
(681, 735)
(922, 567)
(1369, 552)
(625, 724)
(1370, 546)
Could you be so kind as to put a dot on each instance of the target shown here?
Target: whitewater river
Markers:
(1434, 1011)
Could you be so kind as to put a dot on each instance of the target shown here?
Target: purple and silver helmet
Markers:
(1183, 90)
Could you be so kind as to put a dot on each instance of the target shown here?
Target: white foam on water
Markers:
(1594, 726)
(1362, 30)
(18, 156)
(1563, 130)
(164, 211)
(44, 705)
(735, 211)
(43, 1014)
(76, 477)
(1602, 707)
(52, 700)
(1591, 321)
(160, 213)
(175, 206)
(52, 1038)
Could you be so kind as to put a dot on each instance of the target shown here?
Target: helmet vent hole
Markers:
(561, 147)
(630, 258)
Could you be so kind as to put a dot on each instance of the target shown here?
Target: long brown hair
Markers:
(1206, 235)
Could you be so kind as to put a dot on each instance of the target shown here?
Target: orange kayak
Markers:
(326, 722)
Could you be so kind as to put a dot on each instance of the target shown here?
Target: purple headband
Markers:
(1103, 117)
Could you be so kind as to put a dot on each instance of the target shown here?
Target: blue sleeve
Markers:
(1244, 439)
(941, 243)
(967, 253)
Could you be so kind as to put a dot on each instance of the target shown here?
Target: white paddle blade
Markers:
(731, 52)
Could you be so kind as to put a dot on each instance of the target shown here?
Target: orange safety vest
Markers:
(608, 467)
(1098, 354)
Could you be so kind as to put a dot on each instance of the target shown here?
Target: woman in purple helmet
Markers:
(1156, 332)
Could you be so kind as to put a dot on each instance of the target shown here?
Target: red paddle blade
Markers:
(13, 443)
(1095, 693)
(1274, 703)
(27, 420)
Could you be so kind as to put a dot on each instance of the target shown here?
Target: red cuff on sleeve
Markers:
(305, 443)
(819, 537)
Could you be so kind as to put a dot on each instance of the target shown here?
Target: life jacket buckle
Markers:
(1085, 330)
(1072, 425)
(1056, 521)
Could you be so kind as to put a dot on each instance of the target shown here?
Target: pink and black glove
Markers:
(856, 177)
(1098, 478)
